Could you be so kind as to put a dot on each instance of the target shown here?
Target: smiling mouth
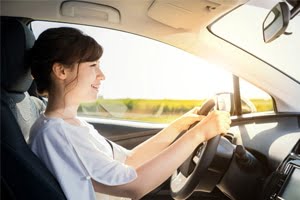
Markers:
(96, 87)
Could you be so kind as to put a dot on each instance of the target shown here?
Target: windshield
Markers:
(243, 28)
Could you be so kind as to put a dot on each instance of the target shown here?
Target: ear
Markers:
(59, 71)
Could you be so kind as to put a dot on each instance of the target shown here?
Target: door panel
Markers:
(126, 134)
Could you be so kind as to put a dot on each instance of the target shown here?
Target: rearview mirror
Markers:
(276, 22)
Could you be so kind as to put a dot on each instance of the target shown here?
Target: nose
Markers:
(100, 74)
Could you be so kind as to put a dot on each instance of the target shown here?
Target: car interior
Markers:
(258, 159)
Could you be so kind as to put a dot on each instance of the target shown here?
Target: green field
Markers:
(156, 111)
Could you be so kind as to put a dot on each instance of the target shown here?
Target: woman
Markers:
(65, 66)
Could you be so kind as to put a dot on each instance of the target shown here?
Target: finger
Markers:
(224, 125)
(228, 121)
(224, 113)
(195, 110)
(199, 116)
(227, 127)
(194, 115)
(224, 131)
(223, 134)
(226, 117)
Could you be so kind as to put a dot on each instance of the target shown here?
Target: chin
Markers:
(89, 98)
(92, 99)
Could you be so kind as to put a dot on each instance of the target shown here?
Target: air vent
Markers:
(296, 149)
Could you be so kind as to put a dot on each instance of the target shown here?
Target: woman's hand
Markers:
(163, 139)
(186, 120)
(216, 122)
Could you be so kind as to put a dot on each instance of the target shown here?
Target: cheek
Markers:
(86, 76)
(85, 83)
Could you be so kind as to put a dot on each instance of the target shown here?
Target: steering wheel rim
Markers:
(181, 186)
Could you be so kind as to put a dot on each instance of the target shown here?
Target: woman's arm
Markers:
(162, 139)
(156, 170)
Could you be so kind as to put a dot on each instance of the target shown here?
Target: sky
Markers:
(138, 67)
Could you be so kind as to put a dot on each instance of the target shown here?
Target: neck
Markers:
(61, 107)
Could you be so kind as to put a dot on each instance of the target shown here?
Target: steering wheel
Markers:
(194, 173)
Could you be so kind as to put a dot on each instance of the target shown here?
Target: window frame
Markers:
(237, 100)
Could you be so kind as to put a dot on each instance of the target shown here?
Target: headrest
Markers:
(16, 40)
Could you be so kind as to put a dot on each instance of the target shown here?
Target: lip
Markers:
(95, 86)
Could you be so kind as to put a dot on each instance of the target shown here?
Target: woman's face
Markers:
(87, 80)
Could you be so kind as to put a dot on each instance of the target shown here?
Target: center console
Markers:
(284, 183)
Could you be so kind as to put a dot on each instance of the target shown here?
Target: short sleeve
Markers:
(120, 153)
(97, 159)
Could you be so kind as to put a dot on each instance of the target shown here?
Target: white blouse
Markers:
(75, 154)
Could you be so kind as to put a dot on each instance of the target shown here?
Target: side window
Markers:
(146, 80)
(254, 99)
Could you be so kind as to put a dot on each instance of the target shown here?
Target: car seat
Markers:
(23, 175)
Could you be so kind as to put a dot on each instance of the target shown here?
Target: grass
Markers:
(150, 110)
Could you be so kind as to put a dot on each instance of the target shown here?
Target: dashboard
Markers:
(284, 183)
(274, 144)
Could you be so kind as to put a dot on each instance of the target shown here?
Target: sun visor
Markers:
(86, 10)
(187, 14)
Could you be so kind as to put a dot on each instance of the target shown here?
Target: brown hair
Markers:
(65, 45)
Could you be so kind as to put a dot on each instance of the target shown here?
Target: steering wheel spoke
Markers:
(198, 153)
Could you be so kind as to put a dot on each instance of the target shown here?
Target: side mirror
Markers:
(224, 101)
(276, 22)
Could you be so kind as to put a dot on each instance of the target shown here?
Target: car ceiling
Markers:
(180, 23)
(165, 17)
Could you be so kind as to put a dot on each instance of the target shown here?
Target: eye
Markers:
(94, 64)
